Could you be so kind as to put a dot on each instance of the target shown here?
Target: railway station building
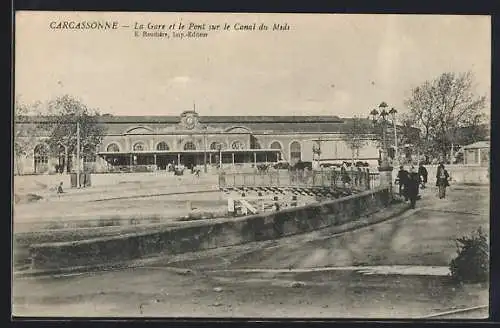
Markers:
(192, 140)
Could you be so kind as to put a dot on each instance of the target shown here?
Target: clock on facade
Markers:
(190, 122)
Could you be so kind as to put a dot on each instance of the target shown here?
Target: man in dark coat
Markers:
(422, 172)
(412, 186)
(442, 178)
(402, 179)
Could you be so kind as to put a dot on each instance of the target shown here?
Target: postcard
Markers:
(230, 165)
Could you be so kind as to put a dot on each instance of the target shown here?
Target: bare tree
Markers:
(440, 106)
(408, 134)
(477, 129)
(356, 135)
(24, 132)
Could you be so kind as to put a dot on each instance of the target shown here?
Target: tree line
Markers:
(439, 113)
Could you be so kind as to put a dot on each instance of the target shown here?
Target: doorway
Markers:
(189, 160)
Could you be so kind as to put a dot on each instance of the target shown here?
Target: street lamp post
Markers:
(78, 154)
(205, 150)
(219, 148)
(393, 113)
(385, 169)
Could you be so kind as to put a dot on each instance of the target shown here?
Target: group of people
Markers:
(359, 175)
(411, 181)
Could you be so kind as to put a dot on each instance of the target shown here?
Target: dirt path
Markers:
(150, 292)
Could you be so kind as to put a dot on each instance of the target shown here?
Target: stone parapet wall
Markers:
(231, 232)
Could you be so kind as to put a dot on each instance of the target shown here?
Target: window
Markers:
(139, 146)
(215, 145)
(162, 146)
(237, 145)
(41, 154)
(113, 148)
(189, 146)
(275, 145)
(41, 158)
(295, 152)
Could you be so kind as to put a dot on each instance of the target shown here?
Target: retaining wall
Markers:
(463, 174)
(231, 232)
(121, 180)
(459, 173)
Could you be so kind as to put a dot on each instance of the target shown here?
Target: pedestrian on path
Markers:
(412, 184)
(422, 172)
(60, 188)
(442, 177)
(402, 179)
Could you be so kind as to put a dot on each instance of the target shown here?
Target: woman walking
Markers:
(442, 177)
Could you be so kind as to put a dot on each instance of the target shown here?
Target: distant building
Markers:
(190, 140)
(477, 153)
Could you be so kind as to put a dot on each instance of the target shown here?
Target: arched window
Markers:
(139, 146)
(275, 145)
(189, 146)
(41, 151)
(41, 158)
(295, 152)
(162, 146)
(215, 145)
(61, 158)
(237, 145)
(113, 148)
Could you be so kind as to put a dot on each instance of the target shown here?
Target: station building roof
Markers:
(254, 124)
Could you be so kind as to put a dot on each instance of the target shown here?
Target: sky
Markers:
(325, 64)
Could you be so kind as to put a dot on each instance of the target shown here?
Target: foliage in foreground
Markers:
(472, 262)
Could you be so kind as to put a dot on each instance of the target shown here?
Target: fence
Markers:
(362, 180)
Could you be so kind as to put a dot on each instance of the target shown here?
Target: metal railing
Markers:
(361, 180)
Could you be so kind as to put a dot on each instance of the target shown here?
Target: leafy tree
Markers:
(24, 133)
(356, 135)
(440, 106)
(63, 114)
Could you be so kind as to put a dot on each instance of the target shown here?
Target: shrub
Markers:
(472, 262)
